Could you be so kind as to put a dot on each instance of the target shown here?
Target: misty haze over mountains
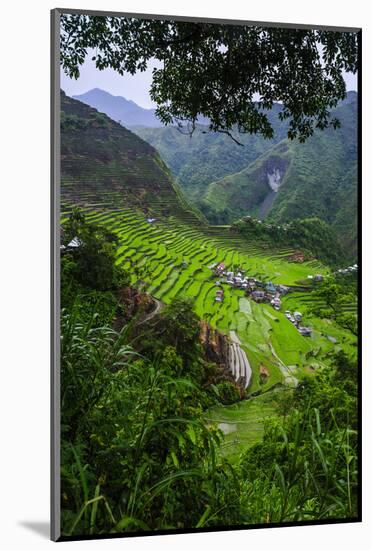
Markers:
(128, 113)
(119, 109)
(122, 110)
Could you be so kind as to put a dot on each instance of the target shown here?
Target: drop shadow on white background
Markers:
(41, 528)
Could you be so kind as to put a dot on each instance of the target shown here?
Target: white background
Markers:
(24, 272)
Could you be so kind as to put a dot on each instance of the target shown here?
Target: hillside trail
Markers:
(289, 378)
(152, 313)
(239, 363)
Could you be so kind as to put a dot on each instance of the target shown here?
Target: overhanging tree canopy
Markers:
(217, 70)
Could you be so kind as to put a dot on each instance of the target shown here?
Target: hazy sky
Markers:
(134, 87)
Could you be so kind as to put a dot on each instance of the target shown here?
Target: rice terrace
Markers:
(209, 279)
(171, 258)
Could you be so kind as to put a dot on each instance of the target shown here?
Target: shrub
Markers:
(228, 393)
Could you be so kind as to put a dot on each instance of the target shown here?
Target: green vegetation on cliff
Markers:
(314, 179)
(226, 181)
(312, 236)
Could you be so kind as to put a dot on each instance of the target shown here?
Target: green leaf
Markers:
(204, 517)
(94, 509)
(191, 434)
(128, 521)
(175, 459)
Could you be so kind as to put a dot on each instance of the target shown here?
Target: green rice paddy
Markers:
(173, 257)
(243, 423)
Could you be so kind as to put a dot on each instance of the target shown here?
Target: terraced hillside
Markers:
(105, 165)
(243, 423)
(121, 182)
(171, 258)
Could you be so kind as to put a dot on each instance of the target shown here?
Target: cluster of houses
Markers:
(351, 269)
(236, 280)
(268, 292)
(296, 319)
(258, 291)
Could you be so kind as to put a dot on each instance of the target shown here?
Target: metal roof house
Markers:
(74, 244)
(258, 295)
(270, 288)
(276, 303)
(220, 267)
(238, 281)
(219, 295)
(282, 289)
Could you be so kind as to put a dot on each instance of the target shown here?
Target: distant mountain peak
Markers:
(120, 109)
(351, 97)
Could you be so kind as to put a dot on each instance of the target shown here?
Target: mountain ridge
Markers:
(105, 164)
(121, 166)
(118, 108)
(317, 178)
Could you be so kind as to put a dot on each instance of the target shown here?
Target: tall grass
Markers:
(136, 453)
(307, 472)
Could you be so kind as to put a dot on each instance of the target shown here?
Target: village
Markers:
(351, 269)
(258, 291)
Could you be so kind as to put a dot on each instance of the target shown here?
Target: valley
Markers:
(170, 405)
(169, 258)
(168, 248)
(278, 179)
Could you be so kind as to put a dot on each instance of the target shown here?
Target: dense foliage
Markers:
(335, 299)
(136, 453)
(89, 277)
(312, 236)
(134, 447)
(306, 465)
(215, 70)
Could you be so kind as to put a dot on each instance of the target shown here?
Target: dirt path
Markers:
(289, 378)
(153, 313)
(239, 363)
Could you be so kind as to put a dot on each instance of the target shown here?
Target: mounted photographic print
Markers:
(205, 371)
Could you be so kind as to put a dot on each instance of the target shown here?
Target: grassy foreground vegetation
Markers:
(142, 407)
